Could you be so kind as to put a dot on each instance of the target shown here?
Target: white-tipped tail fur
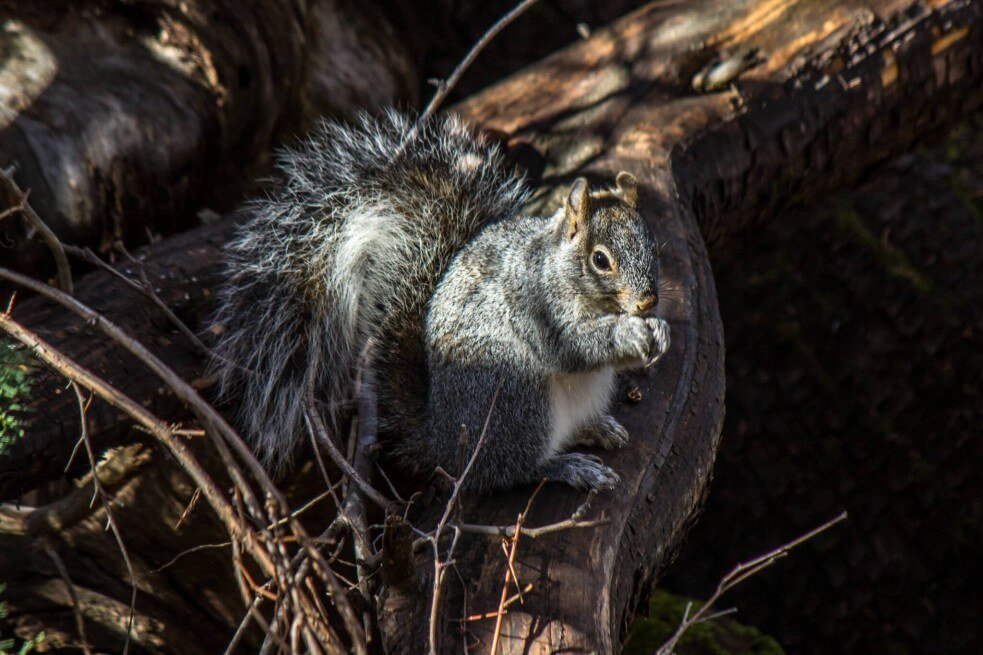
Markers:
(350, 244)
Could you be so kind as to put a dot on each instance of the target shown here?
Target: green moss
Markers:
(717, 637)
(16, 369)
(9, 644)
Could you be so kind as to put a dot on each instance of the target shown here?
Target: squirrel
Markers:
(494, 329)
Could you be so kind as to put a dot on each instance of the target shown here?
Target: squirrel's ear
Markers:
(578, 207)
(627, 188)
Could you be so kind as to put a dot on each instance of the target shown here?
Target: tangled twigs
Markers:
(258, 529)
(440, 565)
(512, 544)
(737, 575)
(54, 244)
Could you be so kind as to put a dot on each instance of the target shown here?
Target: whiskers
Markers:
(670, 291)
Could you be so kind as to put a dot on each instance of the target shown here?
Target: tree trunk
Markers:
(841, 88)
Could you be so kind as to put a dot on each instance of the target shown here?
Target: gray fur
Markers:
(422, 246)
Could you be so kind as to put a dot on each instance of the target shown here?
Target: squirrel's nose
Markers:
(645, 303)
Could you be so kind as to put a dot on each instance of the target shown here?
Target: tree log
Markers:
(842, 88)
(123, 118)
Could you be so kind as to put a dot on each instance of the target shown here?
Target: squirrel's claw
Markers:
(581, 471)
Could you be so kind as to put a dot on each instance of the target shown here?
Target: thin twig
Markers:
(444, 87)
(49, 237)
(324, 439)
(508, 531)
(189, 508)
(511, 599)
(737, 575)
(144, 288)
(76, 605)
(510, 574)
(83, 404)
(193, 549)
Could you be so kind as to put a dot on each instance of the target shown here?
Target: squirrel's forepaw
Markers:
(581, 472)
(660, 340)
(605, 432)
(635, 339)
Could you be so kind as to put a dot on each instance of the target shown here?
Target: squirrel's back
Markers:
(349, 245)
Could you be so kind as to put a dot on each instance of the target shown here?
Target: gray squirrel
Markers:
(487, 322)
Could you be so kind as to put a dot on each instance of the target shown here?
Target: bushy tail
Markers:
(350, 245)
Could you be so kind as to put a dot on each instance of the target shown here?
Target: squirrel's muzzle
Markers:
(645, 304)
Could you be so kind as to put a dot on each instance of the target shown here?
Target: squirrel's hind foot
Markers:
(581, 472)
(603, 432)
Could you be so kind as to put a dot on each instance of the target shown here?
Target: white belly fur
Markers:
(575, 399)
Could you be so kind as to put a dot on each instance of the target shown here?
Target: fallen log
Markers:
(841, 88)
(122, 119)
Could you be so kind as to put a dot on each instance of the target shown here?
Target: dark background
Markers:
(854, 334)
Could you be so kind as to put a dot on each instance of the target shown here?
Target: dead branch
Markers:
(143, 287)
(70, 587)
(110, 518)
(313, 416)
(444, 87)
(54, 244)
(736, 576)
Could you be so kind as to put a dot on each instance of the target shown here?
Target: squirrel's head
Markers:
(611, 252)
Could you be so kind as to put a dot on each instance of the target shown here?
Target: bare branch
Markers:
(737, 575)
(110, 518)
(144, 288)
(49, 237)
(444, 87)
(76, 606)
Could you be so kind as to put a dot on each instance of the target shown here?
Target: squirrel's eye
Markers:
(601, 261)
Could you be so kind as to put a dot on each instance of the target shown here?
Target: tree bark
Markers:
(842, 88)
(123, 118)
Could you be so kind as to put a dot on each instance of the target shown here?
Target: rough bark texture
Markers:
(122, 118)
(623, 100)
